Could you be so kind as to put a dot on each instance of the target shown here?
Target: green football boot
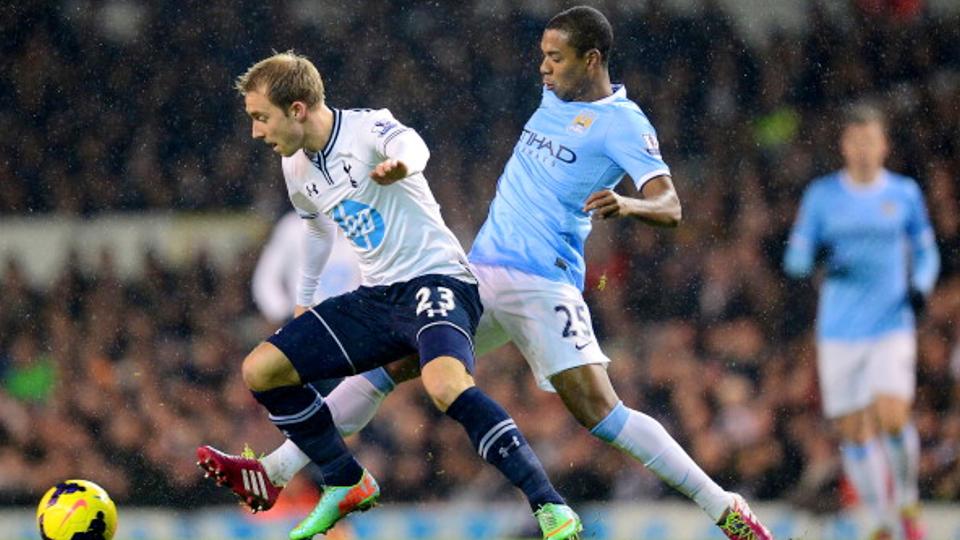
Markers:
(335, 503)
(558, 522)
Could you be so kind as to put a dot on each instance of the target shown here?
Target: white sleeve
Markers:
(319, 235)
(397, 141)
(271, 284)
(409, 148)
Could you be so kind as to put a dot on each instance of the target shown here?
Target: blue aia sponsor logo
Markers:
(361, 224)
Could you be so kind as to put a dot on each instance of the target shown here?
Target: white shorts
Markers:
(853, 373)
(548, 321)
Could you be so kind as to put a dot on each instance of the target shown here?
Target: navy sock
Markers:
(303, 416)
(499, 442)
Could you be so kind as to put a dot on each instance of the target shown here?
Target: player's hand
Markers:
(918, 302)
(605, 204)
(299, 310)
(388, 172)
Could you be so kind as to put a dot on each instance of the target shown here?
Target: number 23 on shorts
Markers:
(442, 306)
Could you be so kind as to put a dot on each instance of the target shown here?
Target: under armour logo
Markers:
(505, 450)
(312, 189)
(346, 169)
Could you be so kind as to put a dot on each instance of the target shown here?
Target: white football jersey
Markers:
(396, 230)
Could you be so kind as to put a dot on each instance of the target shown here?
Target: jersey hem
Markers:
(527, 269)
(910, 329)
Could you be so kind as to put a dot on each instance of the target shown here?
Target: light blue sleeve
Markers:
(631, 142)
(924, 256)
(804, 238)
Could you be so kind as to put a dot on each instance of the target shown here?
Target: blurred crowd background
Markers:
(123, 106)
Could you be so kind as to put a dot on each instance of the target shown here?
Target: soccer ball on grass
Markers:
(76, 510)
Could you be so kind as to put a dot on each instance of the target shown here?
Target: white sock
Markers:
(867, 469)
(353, 403)
(903, 449)
(646, 440)
(284, 462)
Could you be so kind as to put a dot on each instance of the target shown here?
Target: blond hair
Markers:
(284, 78)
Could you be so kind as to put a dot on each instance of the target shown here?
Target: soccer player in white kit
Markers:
(528, 257)
(881, 263)
(361, 170)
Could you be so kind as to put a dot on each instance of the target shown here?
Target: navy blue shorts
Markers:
(373, 326)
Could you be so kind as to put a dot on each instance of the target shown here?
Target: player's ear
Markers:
(298, 110)
(593, 58)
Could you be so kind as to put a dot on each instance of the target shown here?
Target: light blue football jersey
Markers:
(878, 243)
(567, 151)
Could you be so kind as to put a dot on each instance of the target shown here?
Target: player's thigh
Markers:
(548, 321)
(342, 336)
(842, 370)
(892, 376)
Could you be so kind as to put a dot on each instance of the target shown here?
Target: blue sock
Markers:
(380, 379)
(301, 414)
(499, 442)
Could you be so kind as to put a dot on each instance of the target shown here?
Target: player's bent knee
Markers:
(266, 368)
(446, 356)
(590, 411)
(587, 393)
(892, 415)
(444, 379)
(856, 427)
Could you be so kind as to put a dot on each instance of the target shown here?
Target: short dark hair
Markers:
(863, 113)
(586, 29)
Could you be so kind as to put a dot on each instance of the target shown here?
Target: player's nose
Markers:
(544, 67)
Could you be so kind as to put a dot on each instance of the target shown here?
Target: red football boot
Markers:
(245, 476)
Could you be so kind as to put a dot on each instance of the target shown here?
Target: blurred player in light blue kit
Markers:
(528, 258)
(881, 264)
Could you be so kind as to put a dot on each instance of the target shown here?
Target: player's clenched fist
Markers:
(388, 172)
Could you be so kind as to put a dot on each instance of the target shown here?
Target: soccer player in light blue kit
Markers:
(881, 263)
(528, 259)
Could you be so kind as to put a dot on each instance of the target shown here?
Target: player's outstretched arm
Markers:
(660, 205)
